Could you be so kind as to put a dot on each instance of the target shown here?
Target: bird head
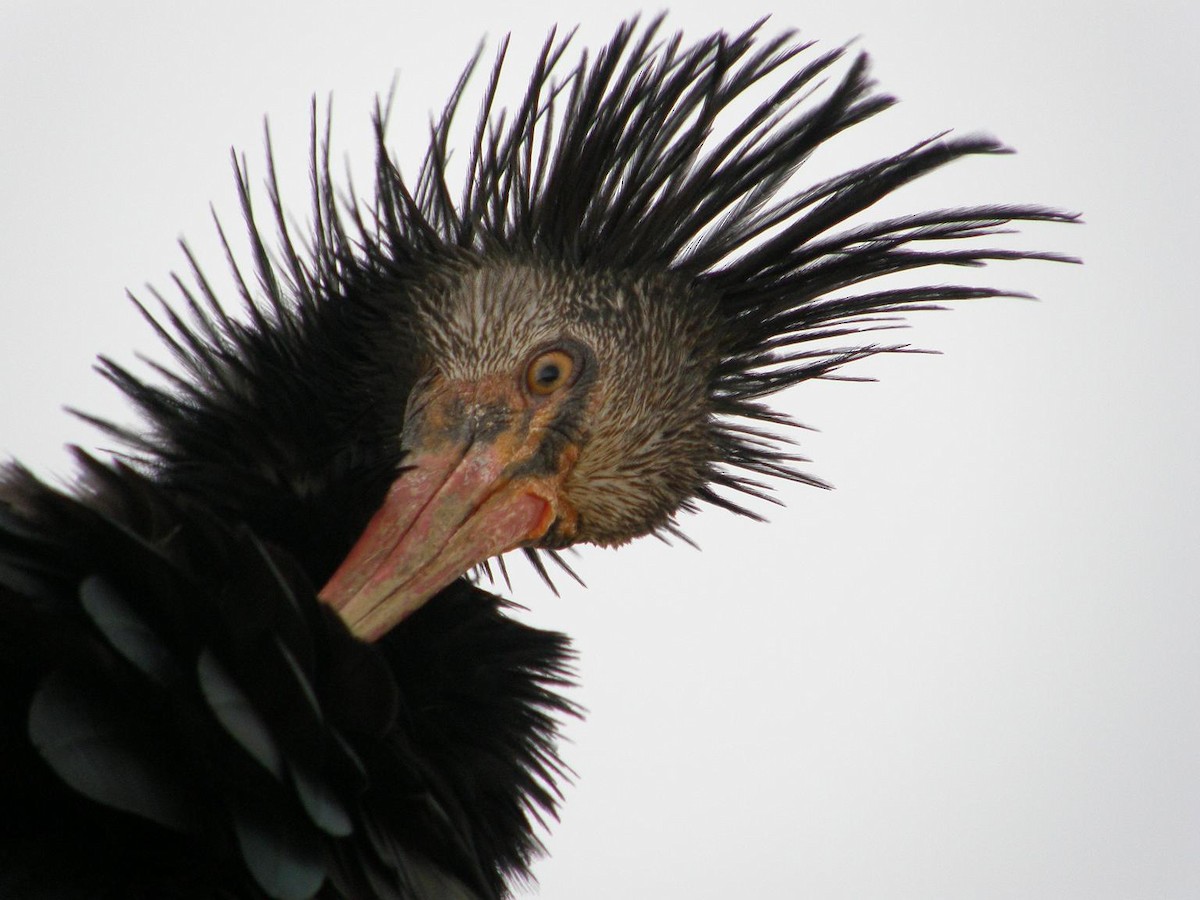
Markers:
(596, 322)
(578, 342)
(555, 407)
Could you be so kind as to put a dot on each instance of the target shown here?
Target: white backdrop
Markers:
(972, 670)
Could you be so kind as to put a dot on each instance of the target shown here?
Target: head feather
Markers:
(652, 159)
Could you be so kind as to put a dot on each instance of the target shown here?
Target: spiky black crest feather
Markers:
(637, 160)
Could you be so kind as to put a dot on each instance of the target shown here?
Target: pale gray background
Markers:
(969, 672)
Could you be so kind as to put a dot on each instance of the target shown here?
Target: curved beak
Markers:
(457, 504)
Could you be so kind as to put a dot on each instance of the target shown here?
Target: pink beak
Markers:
(450, 511)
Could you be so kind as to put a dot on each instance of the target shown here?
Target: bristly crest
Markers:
(635, 162)
(638, 160)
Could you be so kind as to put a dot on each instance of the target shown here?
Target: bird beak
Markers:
(456, 505)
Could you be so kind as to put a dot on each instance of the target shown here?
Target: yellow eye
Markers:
(549, 372)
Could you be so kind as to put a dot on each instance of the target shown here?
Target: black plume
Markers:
(639, 160)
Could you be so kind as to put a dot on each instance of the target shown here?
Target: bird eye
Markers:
(549, 372)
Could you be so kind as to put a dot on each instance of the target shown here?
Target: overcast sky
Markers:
(971, 671)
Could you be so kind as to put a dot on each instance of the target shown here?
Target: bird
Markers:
(249, 653)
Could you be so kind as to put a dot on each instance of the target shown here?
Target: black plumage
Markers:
(185, 718)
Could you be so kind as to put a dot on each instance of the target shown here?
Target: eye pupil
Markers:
(548, 374)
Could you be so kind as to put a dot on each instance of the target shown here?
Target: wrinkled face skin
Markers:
(556, 408)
